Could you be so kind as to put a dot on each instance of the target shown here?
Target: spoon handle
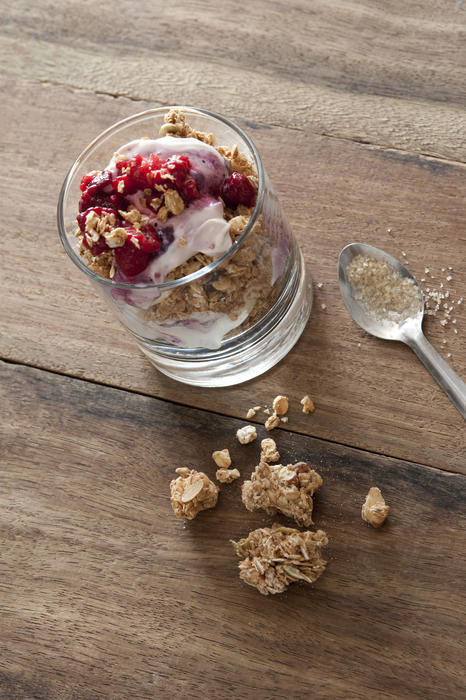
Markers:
(450, 382)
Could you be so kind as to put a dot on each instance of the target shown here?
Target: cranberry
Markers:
(131, 260)
(237, 189)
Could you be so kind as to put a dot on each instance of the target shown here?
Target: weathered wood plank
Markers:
(105, 594)
(376, 396)
(385, 73)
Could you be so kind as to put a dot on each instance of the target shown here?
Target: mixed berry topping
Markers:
(127, 211)
(138, 173)
(237, 189)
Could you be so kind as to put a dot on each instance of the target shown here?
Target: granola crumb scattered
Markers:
(192, 492)
(251, 413)
(257, 408)
(226, 476)
(307, 404)
(374, 510)
(280, 405)
(269, 452)
(246, 434)
(267, 411)
(284, 419)
(273, 558)
(288, 489)
(222, 458)
(272, 422)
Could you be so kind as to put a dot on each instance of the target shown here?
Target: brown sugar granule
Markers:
(288, 489)
(374, 510)
(382, 290)
(273, 558)
(192, 492)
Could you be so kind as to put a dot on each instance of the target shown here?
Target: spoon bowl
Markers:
(387, 328)
(408, 330)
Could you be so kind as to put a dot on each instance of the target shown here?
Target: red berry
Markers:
(98, 248)
(237, 189)
(188, 190)
(81, 218)
(130, 260)
(145, 240)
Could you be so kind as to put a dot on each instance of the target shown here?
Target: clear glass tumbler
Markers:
(226, 321)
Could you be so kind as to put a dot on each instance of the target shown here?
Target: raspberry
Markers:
(188, 190)
(130, 260)
(237, 189)
(97, 191)
(138, 173)
(98, 248)
(146, 240)
(140, 246)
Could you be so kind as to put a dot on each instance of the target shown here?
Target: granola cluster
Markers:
(246, 434)
(288, 489)
(269, 452)
(307, 404)
(192, 492)
(272, 558)
(226, 476)
(374, 510)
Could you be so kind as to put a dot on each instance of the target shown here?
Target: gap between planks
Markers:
(285, 427)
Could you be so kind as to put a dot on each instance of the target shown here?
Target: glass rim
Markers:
(203, 271)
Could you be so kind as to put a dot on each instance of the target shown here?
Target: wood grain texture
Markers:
(105, 594)
(388, 73)
(377, 396)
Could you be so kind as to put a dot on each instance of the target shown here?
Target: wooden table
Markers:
(358, 111)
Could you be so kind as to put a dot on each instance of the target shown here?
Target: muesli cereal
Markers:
(288, 489)
(269, 452)
(273, 558)
(246, 434)
(226, 476)
(280, 405)
(272, 422)
(374, 510)
(192, 492)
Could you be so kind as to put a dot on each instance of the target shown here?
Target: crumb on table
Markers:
(374, 510)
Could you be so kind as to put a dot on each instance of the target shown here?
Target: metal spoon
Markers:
(408, 331)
